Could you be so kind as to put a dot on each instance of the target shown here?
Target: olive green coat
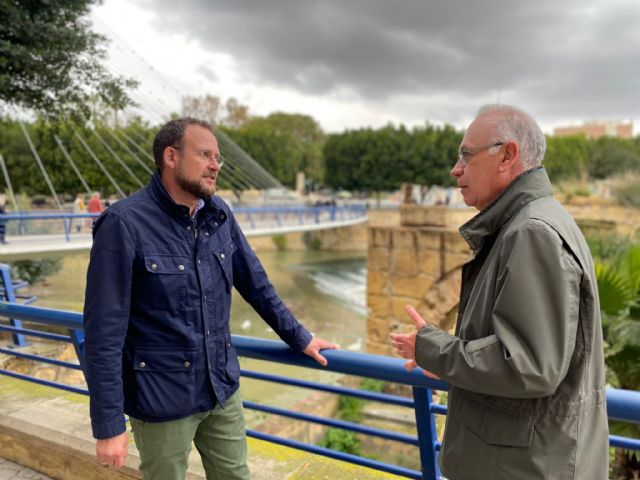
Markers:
(526, 367)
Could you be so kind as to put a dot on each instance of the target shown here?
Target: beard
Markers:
(194, 187)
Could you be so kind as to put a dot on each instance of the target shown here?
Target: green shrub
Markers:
(342, 441)
(37, 270)
(311, 241)
(628, 194)
(280, 241)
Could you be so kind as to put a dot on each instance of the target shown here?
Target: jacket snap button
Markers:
(154, 266)
(206, 234)
(222, 256)
(142, 364)
(180, 267)
(187, 364)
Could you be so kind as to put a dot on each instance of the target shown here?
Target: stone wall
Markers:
(414, 263)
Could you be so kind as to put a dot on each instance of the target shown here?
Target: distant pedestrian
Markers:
(95, 206)
(79, 208)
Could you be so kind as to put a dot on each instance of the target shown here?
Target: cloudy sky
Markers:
(355, 63)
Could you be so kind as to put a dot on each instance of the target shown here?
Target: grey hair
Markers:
(512, 124)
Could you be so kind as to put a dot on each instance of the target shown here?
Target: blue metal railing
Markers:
(40, 223)
(621, 404)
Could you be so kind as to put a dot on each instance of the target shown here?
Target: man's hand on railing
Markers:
(113, 451)
(405, 343)
(314, 347)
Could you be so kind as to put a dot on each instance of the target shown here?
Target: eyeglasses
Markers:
(465, 154)
(205, 156)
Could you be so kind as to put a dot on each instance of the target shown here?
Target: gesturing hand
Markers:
(405, 343)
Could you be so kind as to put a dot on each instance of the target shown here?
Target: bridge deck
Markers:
(25, 246)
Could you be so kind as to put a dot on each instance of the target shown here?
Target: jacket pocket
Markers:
(232, 367)
(493, 426)
(165, 381)
(223, 255)
(163, 281)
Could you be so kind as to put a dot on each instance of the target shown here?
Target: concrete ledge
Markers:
(56, 454)
(49, 431)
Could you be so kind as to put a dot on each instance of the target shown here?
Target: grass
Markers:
(65, 289)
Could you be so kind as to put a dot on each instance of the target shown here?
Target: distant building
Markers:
(593, 130)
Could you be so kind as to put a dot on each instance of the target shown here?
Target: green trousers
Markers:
(219, 436)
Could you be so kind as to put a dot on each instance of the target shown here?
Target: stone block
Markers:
(429, 262)
(378, 305)
(379, 237)
(454, 242)
(404, 261)
(399, 313)
(415, 286)
(430, 238)
(454, 261)
(378, 259)
(416, 215)
(404, 238)
(377, 282)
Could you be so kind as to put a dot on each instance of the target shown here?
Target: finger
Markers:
(430, 375)
(119, 461)
(415, 316)
(319, 358)
(410, 365)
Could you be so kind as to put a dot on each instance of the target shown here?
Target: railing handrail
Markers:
(622, 405)
(39, 215)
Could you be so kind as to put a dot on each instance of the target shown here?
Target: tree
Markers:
(206, 108)
(50, 59)
(237, 114)
(567, 157)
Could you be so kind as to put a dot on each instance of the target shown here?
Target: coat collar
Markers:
(161, 196)
(527, 187)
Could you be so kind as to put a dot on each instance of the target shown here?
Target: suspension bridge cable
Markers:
(8, 182)
(41, 165)
(142, 150)
(117, 158)
(129, 151)
(97, 160)
(242, 157)
(73, 164)
(246, 160)
(240, 175)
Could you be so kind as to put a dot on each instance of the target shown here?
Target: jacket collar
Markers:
(161, 196)
(527, 187)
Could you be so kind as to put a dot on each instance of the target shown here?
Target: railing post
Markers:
(10, 296)
(77, 338)
(427, 434)
(67, 228)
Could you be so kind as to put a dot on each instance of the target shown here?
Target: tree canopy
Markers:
(50, 59)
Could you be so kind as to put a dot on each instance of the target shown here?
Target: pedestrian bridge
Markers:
(47, 232)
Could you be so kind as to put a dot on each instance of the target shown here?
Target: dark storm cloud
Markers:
(571, 58)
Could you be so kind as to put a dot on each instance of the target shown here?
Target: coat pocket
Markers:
(223, 255)
(165, 381)
(162, 282)
(493, 426)
(232, 367)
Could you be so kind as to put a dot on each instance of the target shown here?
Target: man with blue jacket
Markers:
(156, 318)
